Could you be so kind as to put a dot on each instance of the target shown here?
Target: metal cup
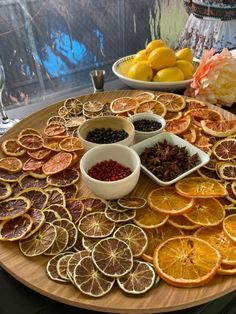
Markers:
(97, 77)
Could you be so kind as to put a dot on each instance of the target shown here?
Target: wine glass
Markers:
(6, 123)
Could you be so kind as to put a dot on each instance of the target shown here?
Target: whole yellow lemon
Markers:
(184, 54)
(140, 71)
(157, 43)
(161, 58)
(140, 56)
(170, 74)
(186, 67)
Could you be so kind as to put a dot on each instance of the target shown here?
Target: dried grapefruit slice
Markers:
(75, 258)
(190, 135)
(11, 147)
(229, 227)
(172, 102)
(173, 115)
(139, 280)
(57, 163)
(31, 141)
(197, 187)
(144, 96)
(39, 242)
(75, 208)
(130, 202)
(148, 218)
(38, 198)
(70, 228)
(96, 225)
(28, 131)
(152, 106)
(51, 268)
(64, 178)
(40, 154)
(15, 229)
(11, 164)
(120, 216)
(52, 143)
(112, 257)
(225, 149)
(227, 171)
(134, 236)
(178, 126)
(27, 181)
(204, 114)
(89, 280)
(186, 261)
(5, 190)
(71, 144)
(55, 196)
(32, 164)
(13, 207)
(38, 220)
(167, 201)
(54, 129)
(219, 128)
(60, 242)
(192, 103)
(123, 104)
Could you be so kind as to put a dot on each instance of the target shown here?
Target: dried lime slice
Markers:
(61, 210)
(118, 216)
(73, 262)
(62, 265)
(71, 229)
(60, 242)
(52, 268)
(113, 204)
(93, 204)
(50, 215)
(132, 202)
(89, 243)
(76, 208)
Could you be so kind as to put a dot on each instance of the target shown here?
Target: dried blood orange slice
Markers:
(192, 103)
(93, 204)
(32, 164)
(13, 207)
(54, 129)
(120, 216)
(89, 280)
(178, 126)
(123, 104)
(75, 258)
(40, 154)
(27, 181)
(167, 201)
(15, 229)
(75, 208)
(28, 131)
(30, 141)
(38, 220)
(152, 106)
(11, 147)
(11, 164)
(179, 261)
(216, 237)
(51, 268)
(7, 176)
(62, 265)
(38, 198)
(139, 280)
(219, 128)
(182, 222)
(227, 171)
(70, 191)
(5, 190)
(50, 214)
(204, 114)
(71, 144)
(55, 196)
(56, 119)
(61, 210)
(229, 227)
(156, 236)
(64, 178)
(172, 102)
(39, 242)
(130, 202)
(96, 225)
(148, 218)
(92, 106)
(60, 242)
(206, 212)
(57, 163)
(70, 228)
(144, 96)
(134, 236)
(173, 115)
(112, 257)
(197, 187)
(225, 149)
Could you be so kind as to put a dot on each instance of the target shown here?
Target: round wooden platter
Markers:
(162, 298)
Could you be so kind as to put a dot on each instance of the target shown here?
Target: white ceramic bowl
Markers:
(120, 69)
(116, 123)
(140, 135)
(174, 140)
(112, 189)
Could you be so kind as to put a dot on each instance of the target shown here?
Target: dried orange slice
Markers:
(219, 128)
(51, 268)
(130, 202)
(139, 280)
(202, 140)
(38, 219)
(11, 147)
(38, 198)
(39, 242)
(148, 218)
(5, 190)
(75, 208)
(96, 225)
(190, 135)
(144, 96)
(28, 131)
(192, 103)
(70, 228)
(93, 204)
(226, 269)
(11, 164)
(71, 144)
(152, 106)
(112, 257)
(74, 259)
(182, 222)
(57, 163)
(40, 154)
(227, 171)
(89, 280)
(225, 149)
(120, 216)
(7, 176)
(167, 201)
(229, 227)
(134, 236)
(216, 237)
(14, 229)
(186, 261)
(197, 187)
(173, 115)
(54, 129)
(56, 119)
(13, 207)
(64, 178)
(32, 164)
(158, 235)
(27, 181)
(30, 141)
(62, 265)
(60, 242)
(178, 126)
(55, 196)
(172, 102)
(204, 114)
(123, 104)
(206, 212)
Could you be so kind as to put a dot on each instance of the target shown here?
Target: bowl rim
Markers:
(105, 146)
(160, 118)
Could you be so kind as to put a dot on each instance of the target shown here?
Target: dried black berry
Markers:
(146, 125)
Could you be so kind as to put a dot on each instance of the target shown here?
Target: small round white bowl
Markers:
(115, 123)
(112, 189)
(140, 135)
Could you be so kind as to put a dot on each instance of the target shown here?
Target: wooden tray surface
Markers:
(162, 298)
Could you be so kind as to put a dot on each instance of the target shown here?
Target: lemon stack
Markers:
(159, 63)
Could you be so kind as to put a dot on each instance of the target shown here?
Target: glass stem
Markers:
(2, 110)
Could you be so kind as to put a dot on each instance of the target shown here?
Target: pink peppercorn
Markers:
(109, 170)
